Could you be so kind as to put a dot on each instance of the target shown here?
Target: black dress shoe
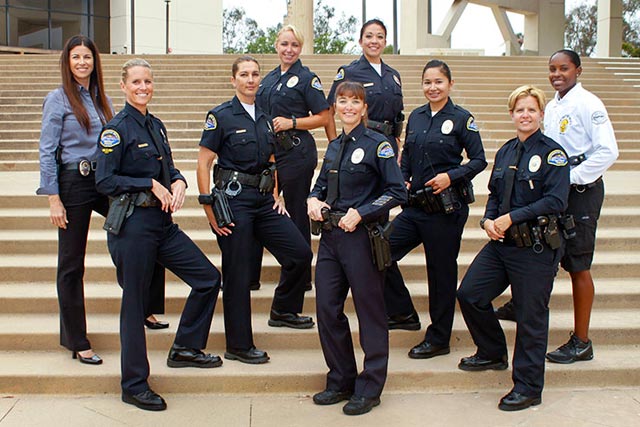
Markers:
(184, 357)
(478, 363)
(93, 360)
(156, 325)
(408, 322)
(147, 400)
(426, 350)
(252, 356)
(290, 320)
(516, 401)
(359, 405)
(254, 286)
(331, 397)
(506, 312)
(308, 287)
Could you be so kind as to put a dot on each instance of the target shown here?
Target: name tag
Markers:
(241, 131)
(367, 84)
(143, 145)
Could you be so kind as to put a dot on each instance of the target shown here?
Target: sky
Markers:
(476, 28)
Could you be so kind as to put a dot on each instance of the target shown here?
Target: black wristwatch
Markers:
(294, 122)
(205, 199)
(482, 221)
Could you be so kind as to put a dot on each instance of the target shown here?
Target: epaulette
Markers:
(222, 106)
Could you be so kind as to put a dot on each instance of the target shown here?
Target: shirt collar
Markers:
(295, 68)
(237, 108)
(529, 142)
(569, 95)
(356, 132)
(137, 115)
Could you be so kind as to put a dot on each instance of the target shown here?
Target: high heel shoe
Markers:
(93, 360)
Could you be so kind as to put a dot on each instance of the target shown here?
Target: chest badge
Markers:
(357, 156)
(292, 81)
(534, 163)
(565, 121)
(447, 127)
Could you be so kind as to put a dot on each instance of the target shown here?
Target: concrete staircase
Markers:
(31, 361)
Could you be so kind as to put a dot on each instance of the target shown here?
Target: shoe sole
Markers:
(406, 327)
(282, 323)
(509, 408)
(332, 402)
(494, 367)
(569, 361)
(430, 355)
(187, 364)
(348, 412)
(132, 401)
(258, 361)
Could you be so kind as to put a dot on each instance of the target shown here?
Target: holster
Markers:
(286, 140)
(119, 209)
(465, 191)
(267, 180)
(397, 125)
(380, 247)
(317, 226)
(221, 208)
(552, 232)
(568, 226)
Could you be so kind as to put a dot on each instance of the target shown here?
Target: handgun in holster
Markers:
(267, 180)
(316, 226)
(551, 230)
(568, 226)
(221, 208)
(120, 208)
(465, 191)
(380, 247)
(285, 140)
(448, 200)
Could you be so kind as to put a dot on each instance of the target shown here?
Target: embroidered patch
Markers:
(357, 156)
(397, 80)
(315, 83)
(471, 125)
(557, 158)
(340, 75)
(211, 123)
(385, 150)
(565, 121)
(381, 201)
(534, 163)
(109, 138)
(447, 127)
(599, 117)
(293, 80)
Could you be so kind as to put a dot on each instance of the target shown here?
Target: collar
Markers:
(295, 68)
(364, 63)
(573, 92)
(237, 108)
(530, 142)
(137, 115)
(356, 133)
(448, 108)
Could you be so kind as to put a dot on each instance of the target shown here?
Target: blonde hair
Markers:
(135, 62)
(296, 33)
(523, 92)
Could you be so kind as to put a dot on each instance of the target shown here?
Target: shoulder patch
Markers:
(315, 83)
(109, 138)
(557, 158)
(210, 123)
(397, 80)
(385, 150)
(340, 75)
(599, 117)
(472, 125)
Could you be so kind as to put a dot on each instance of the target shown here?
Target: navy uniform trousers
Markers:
(147, 236)
(256, 220)
(440, 235)
(344, 262)
(531, 277)
(80, 198)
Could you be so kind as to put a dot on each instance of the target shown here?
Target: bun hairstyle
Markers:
(352, 89)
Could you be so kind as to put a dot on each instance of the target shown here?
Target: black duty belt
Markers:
(84, 167)
(382, 127)
(146, 199)
(227, 175)
(581, 188)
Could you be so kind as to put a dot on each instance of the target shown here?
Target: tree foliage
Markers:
(582, 23)
(330, 36)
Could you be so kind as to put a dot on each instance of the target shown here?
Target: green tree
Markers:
(330, 37)
(237, 29)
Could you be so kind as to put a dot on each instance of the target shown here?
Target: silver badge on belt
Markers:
(84, 167)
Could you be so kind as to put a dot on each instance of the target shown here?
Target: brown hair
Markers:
(96, 85)
(354, 89)
(525, 91)
(240, 60)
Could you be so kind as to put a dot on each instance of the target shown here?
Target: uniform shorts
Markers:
(584, 204)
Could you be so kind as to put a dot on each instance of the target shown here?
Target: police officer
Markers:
(135, 164)
(241, 136)
(358, 183)
(292, 95)
(381, 82)
(440, 189)
(528, 189)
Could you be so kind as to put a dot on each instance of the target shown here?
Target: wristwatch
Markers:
(205, 199)
(482, 221)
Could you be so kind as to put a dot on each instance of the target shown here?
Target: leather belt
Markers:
(146, 199)
(227, 175)
(581, 188)
(382, 127)
(84, 167)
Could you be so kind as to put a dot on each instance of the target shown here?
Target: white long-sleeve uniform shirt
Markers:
(580, 124)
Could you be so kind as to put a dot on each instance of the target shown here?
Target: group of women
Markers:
(262, 148)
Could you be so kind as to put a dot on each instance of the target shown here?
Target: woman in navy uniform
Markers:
(359, 183)
(136, 160)
(381, 82)
(528, 190)
(240, 134)
(72, 116)
(292, 95)
(440, 189)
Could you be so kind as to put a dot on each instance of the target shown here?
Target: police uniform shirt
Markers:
(434, 144)
(242, 144)
(61, 128)
(295, 93)
(369, 177)
(580, 124)
(541, 185)
(129, 158)
(383, 93)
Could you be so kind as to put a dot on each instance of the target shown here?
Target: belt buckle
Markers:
(84, 167)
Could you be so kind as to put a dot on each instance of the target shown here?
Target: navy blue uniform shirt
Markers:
(383, 93)
(434, 144)
(541, 185)
(369, 177)
(294, 93)
(129, 159)
(242, 144)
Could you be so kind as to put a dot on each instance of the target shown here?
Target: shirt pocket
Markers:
(144, 151)
(354, 181)
(496, 182)
(529, 186)
(243, 146)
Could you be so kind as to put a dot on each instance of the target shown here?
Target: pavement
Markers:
(595, 407)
